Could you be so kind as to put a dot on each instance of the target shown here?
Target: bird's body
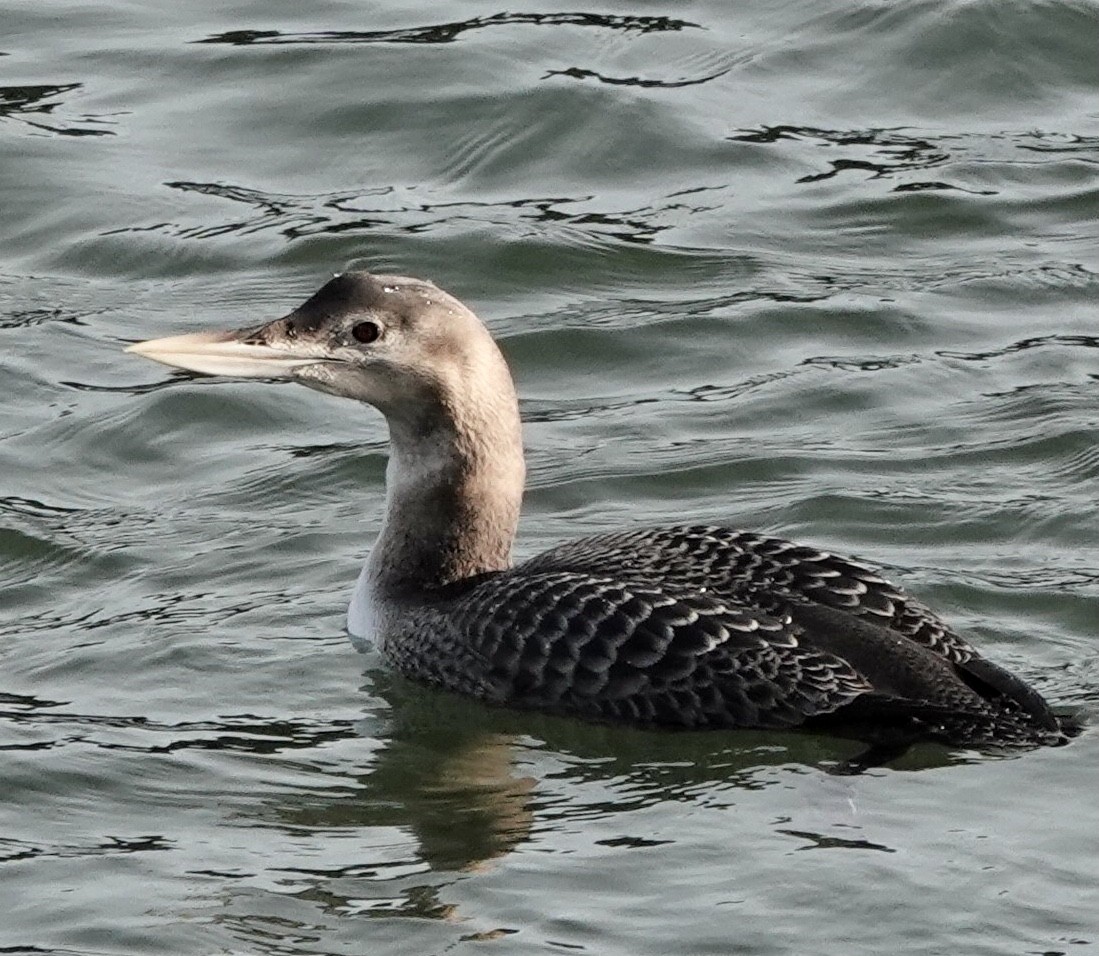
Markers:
(681, 626)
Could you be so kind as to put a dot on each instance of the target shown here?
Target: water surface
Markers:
(824, 270)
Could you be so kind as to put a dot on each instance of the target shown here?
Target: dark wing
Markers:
(586, 644)
(773, 575)
(762, 571)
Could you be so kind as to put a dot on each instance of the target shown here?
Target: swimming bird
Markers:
(685, 626)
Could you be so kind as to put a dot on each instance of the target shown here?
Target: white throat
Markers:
(363, 619)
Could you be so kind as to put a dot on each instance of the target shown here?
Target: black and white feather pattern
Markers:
(765, 572)
(697, 626)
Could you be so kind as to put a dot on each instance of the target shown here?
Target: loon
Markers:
(683, 626)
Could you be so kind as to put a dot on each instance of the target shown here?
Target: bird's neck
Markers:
(454, 487)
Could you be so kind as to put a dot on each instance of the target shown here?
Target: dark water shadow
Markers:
(25, 318)
(893, 151)
(451, 770)
(49, 724)
(466, 784)
(1023, 345)
(578, 73)
(351, 212)
(449, 32)
(36, 106)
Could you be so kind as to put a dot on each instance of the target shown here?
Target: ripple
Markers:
(577, 73)
(572, 222)
(895, 150)
(449, 32)
(981, 164)
(1024, 345)
(23, 318)
(38, 107)
(13, 851)
(1069, 143)
(863, 363)
(243, 733)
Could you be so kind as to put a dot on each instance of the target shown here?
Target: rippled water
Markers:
(827, 270)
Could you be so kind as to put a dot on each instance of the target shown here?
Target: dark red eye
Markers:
(366, 332)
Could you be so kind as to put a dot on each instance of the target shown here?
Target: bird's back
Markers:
(698, 626)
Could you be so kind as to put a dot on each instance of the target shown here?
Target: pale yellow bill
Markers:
(221, 353)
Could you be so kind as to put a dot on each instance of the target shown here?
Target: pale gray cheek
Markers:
(346, 382)
(319, 377)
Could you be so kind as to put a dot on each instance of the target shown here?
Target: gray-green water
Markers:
(824, 269)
